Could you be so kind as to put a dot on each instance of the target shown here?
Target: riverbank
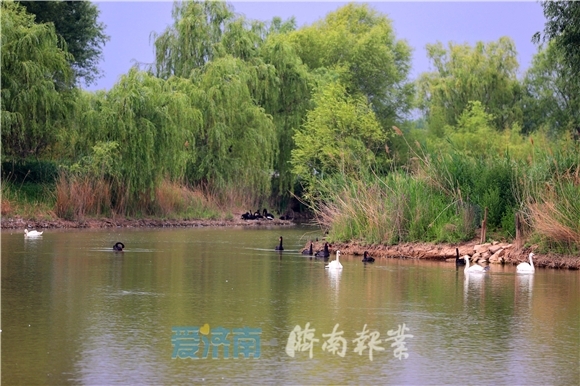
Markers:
(19, 223)
(489, 253)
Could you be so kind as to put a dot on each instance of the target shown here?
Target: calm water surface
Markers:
(75, 312)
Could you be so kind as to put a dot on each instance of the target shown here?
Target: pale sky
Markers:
(130, 23)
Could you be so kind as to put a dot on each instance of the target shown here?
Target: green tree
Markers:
(485, 73)
(236, 145)
(189, 43)
(563, 26)
(36, 98)
(359, 43)
(206, 38)
(77, 23)
(338, 137)
(151, 120)
(551, 96)
(286, 97)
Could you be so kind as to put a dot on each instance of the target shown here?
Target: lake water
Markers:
(175, 306)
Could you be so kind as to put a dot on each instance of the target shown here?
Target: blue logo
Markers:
(187, 342)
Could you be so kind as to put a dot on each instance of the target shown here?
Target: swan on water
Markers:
(526, 267)
(367, 258)
(280, 247)
(324, 253)
(334, 264)
(458, 260)
(118, 246)
(475, 268)
(28, 233)
(308, 251)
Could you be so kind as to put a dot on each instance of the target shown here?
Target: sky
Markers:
(130, 24)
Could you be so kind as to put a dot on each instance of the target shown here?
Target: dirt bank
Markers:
(19, 223)
(489, 253)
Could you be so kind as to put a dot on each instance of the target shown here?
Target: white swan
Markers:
(334, 264)
(28, 233)
(475, 268)
(525, 267)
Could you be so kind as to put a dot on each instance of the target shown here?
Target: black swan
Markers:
(267, 215)
(247, 216)
(308, 251)
(458, 261)
(118, 246)
(280, 247)
(367, 258)
(324, 253)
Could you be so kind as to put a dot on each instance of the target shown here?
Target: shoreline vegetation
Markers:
(493, 252)
(318, 119)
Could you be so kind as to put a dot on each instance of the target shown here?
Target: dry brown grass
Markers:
(77, 197)
(550, 221)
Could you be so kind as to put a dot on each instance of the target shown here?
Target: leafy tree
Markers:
(35, 77)
(189, 43)
(77, 23)
(485, 73)
(551, 96)
(236, 143)
(359, 43)
(151, 120)
(206, 39)
(337, 137)
(563, 26)
(286, 97)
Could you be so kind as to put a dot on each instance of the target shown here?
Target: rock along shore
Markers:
(489, 253)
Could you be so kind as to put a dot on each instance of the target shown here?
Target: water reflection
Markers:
(524, 287)
(86, 315)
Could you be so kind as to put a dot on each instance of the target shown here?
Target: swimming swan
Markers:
(475, 268)
(458, 260)
(367, 258)
(28, 233)
(280, 247)
(334, 264)
(324, 253)
(525, 267)
(119, 246)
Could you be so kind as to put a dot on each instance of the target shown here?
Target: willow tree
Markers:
(338, 137)
(463, 74)
(152, 121)
(36, 80)
(361, 42)
(286, 97)
(236, 145)
(189, 43)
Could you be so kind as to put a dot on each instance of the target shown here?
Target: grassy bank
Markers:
(440, 196)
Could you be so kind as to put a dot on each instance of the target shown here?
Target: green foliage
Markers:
(236, 143)
(286, 97)
(484, 73)
(395, 209)
(338, 137)
(551, 93)
(361, 42)
(189, 43)
(30, 170)
(35, 102)
(151, 120)
(77, 23)
(563, 27)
